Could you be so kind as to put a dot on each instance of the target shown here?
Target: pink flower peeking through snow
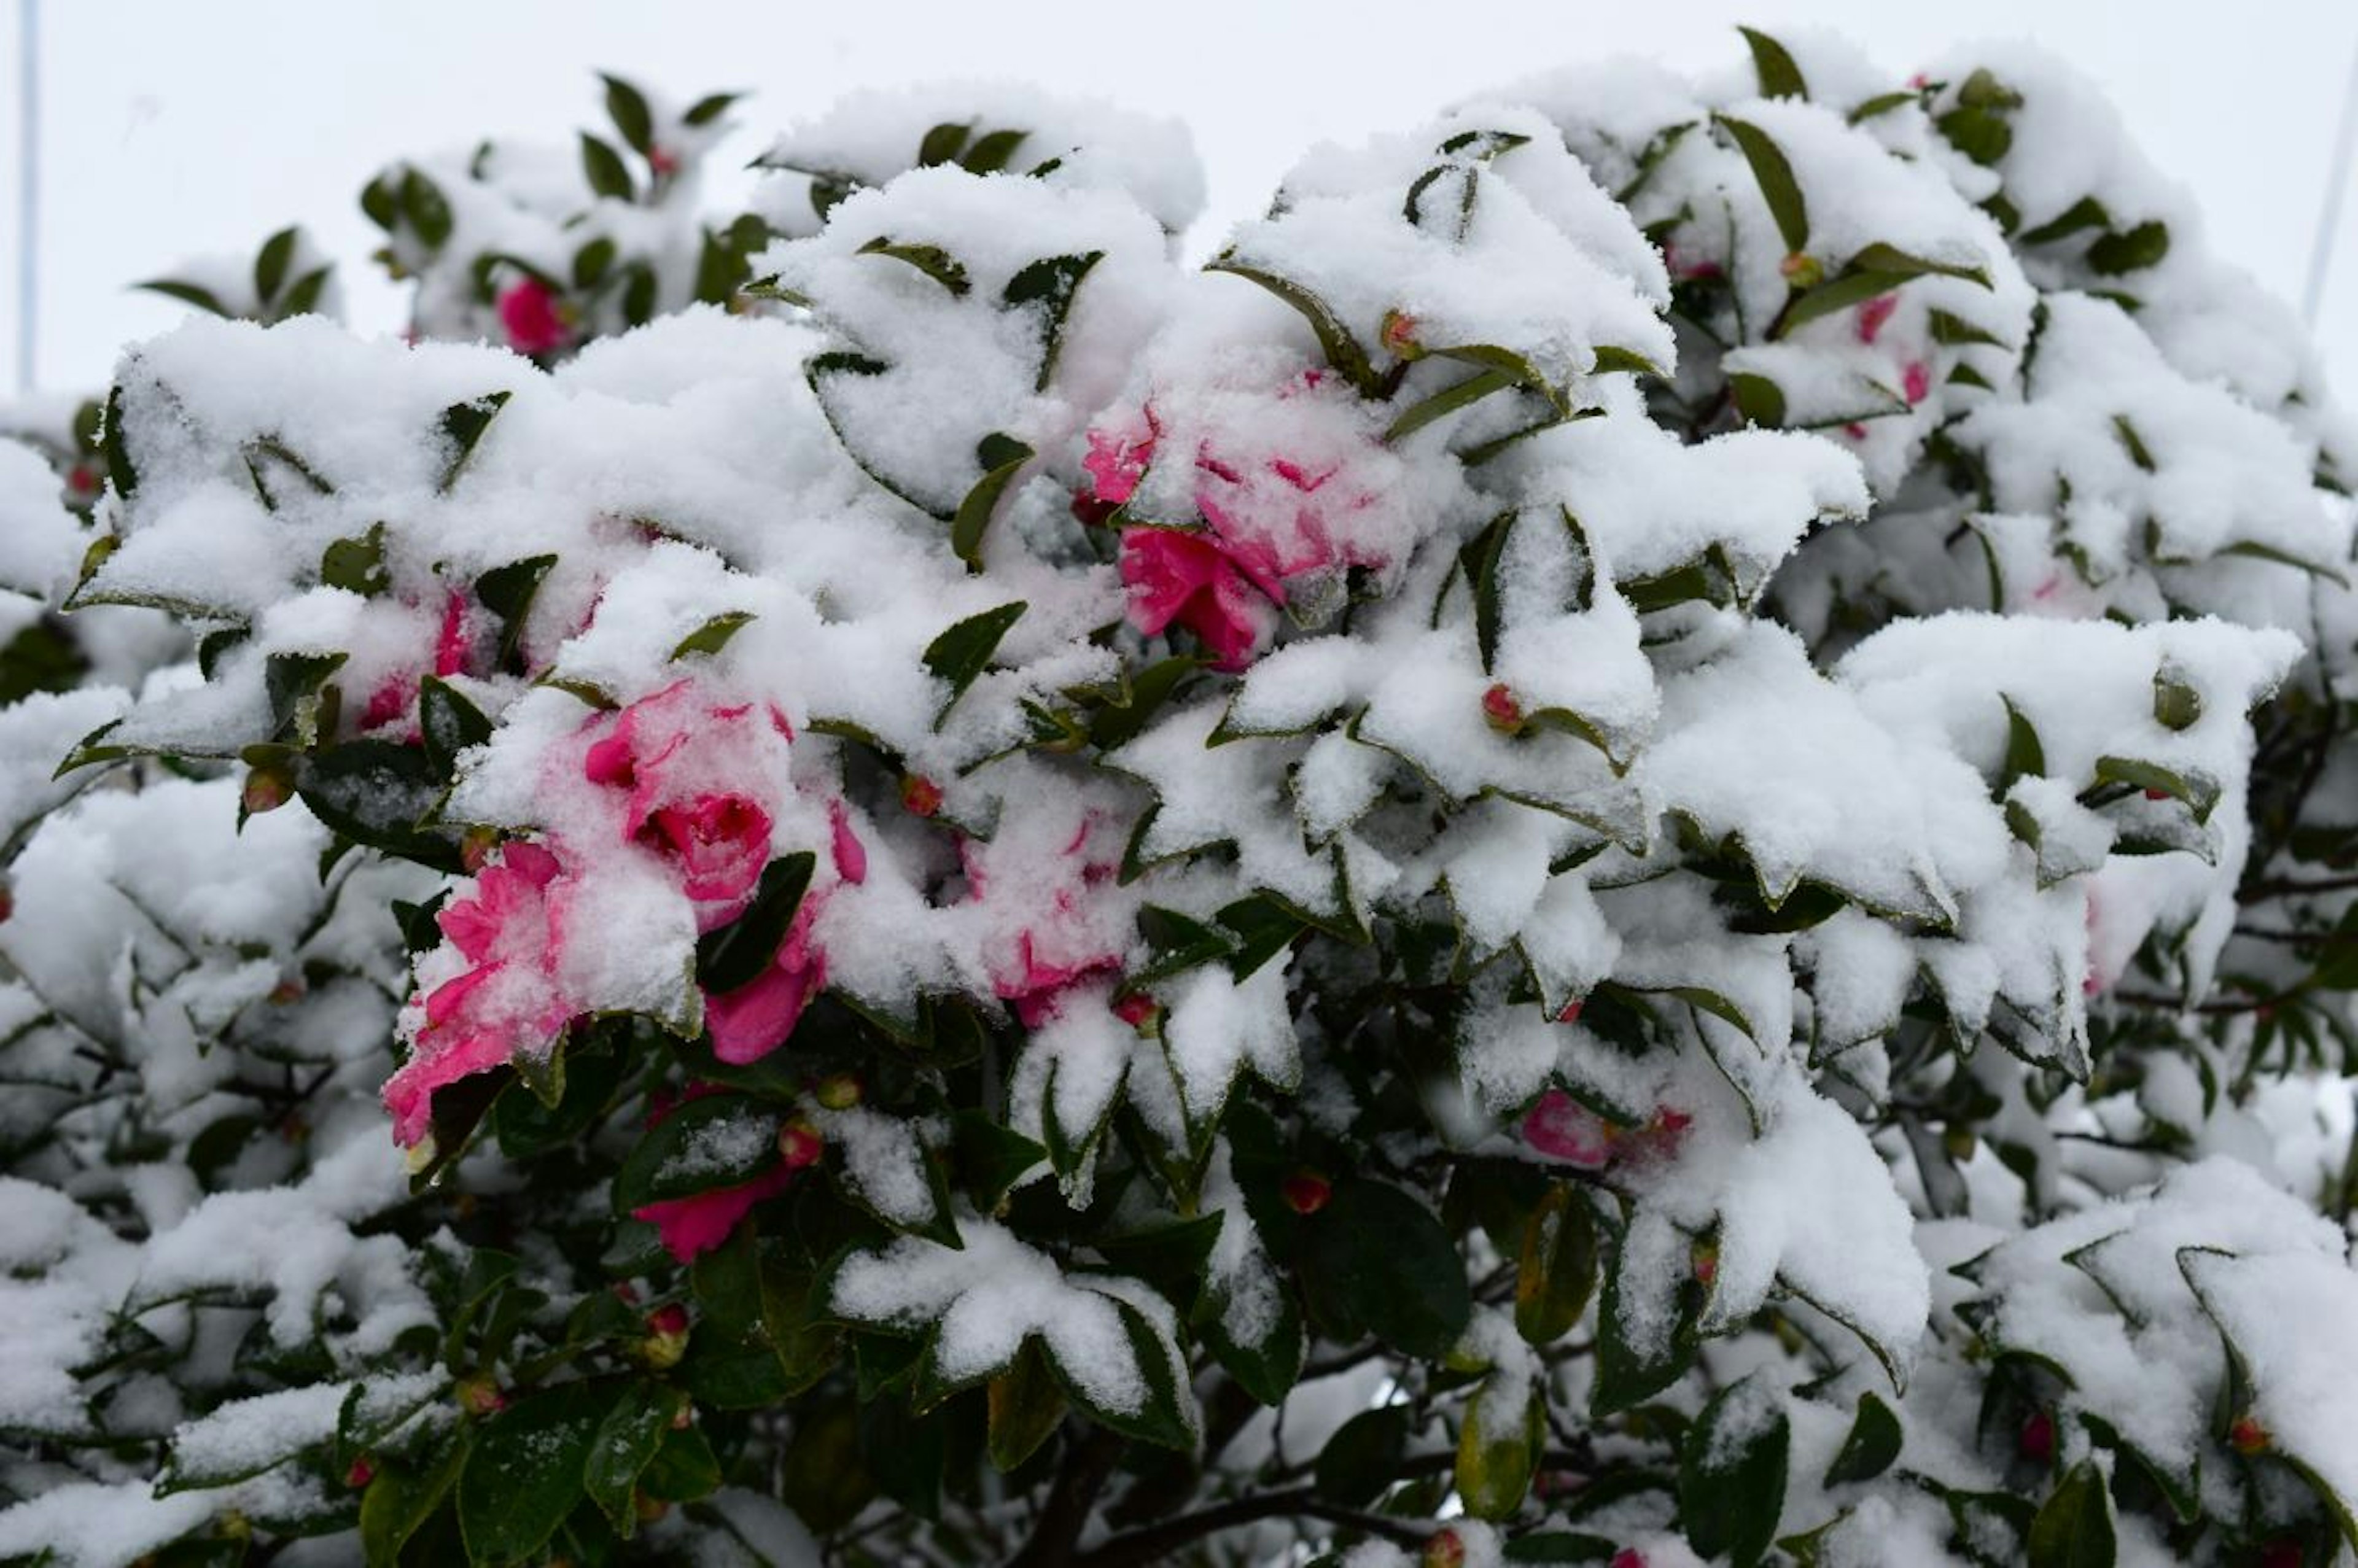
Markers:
(1565, 1131)
(696, 791)
(1053, 913)
(534, 320)
(1271, 513)
(701, 1221)
(502, 994)
(395, 698)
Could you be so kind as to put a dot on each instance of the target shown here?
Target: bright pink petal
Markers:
(1163, 569)
(702, 1221)
(450, 648)
(720, 841)
(754, 1020)
(850, 854)
(409, 1093)
(1874, 314)
(529, 315)
(1562, 1129)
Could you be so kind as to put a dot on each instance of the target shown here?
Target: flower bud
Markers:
(838, 1091)
(1704, 1259)
(1398, 335)
(1307, 1192)
(1628, 1557)
(799, 1144)
(479, 1395)
(83, 479)
(1138, 1010)
(920, 796)
(268, 786)
(1803, 271)
(668, 1319)
(663, 160)
(2247, 1436)
(1501, 712)
(1444, 1549)
(2036, 1441)
(360, 1474)
(1569, 1012)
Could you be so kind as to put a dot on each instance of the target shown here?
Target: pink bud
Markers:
(1569, 1012)
(1307, 1192)
(360, 1474)
(1628, 1557)
(670, 1320)
(1916, 382)
(2247, 1436)
(663, 160)
(800, 1145)
(1501, 712)
(1138, 1010)
(920, 797)
(83, 479)
(2036, 1438)
(1444, 1549)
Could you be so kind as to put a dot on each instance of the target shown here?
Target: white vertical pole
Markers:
(29, 186)
(2329, 219)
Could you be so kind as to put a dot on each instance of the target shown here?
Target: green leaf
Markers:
(525, 1473)
(603, 168)
(428, 209)
(709, 108)
(1557, 1272)
(401, 1499)
(2085, 213)
(1048, 285)
(932, 260)
(1025, 1405)
(1628, 1369)
(290, 683)
(2140, 247)
(1448, 400)
(376, 793)
(625, 1444)
(2025, 757)
(1732, 1474)
(1343, 353)
(462, 424)
(379, 201)
(1263, 927)
(302, 297)
(1002, 458)
(591, 262)
(639, 295)
(270, 265)
(737, 953)
(713, 1140)
(1775, 177)
(2176, 704)
(942, 144)
(1871, 1447)
(1480, 561)
(508, 592)
(2199, 790)
(187, 294)
(448, 723)
(1363, 1456)
(627, 107)
(1760, 400)
(991, 151)
(963, 652)
(1375, 1260)
(714, 634)
(2075, 1527)
(1780, 77)
(1498, 1447)
(357, 566)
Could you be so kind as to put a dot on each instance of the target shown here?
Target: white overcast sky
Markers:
(174, 128)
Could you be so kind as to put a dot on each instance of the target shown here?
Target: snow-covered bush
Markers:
(1567, 862)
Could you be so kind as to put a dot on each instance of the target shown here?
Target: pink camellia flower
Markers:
(530, 315)
(1186, 579)
(1874, 314)
(1118, 458)
(1562, 1129)
(509, 937)
(690, 771)
(1053, 916)
(1917, 382)
(701, 1221)
(755, 1019)
(396, 697)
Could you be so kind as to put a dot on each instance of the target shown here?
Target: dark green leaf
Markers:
(1049, 284)
(1871, 1447)
(1002, 458)
(710, 107)
(1780, 77)
(2075, 1527)
(203, 299)
(357, 566)
(462, 425)
(932, 260)
(401, 1499)
(603, 168)
(428, 209)
(625, 1444)
(270, 265)
(713, 1140)
(525, 1473)
(1375, 1260)
(1778, 186)
(942, 144)
(1732, 1474)
(591, 262)
(736, 954)
(448, 723)
(627, 107)
(2025, 757)
(714, 634)
(1343, 352)
(963, 652)
(376, 793)
(1363, 1456)
(2140, 247)
(508, 592)
(1557, 1272)
(990, 151)
(1025, 1405)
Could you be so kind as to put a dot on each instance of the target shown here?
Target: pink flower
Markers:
(1562, 1129)
(755, 1019)
(533, 320)
(1046, 892)
(396, 697)
(1118, 459)
(689, 772)
(1917, 382)
(1187, 579)
(509, 933)
(1874, 314)
(701, 1221)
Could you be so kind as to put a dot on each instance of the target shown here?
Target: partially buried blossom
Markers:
(535, 322)
(496, 991)
(754, 1019)
(698, 781)
(701, 1221)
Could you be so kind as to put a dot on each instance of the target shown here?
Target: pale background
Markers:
(174, 128)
